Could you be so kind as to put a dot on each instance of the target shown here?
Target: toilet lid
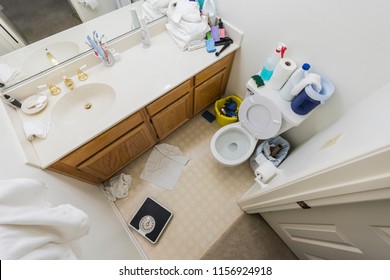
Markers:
(260, 116)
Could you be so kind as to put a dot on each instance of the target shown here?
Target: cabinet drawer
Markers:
(102, 140)
(114, 157)
(172, 117)
(214, 69)
(208, 92)
(169, 98)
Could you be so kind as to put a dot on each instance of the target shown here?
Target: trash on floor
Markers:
(164, 166)
(117, 187)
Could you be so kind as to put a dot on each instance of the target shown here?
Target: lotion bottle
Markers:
(295, 78)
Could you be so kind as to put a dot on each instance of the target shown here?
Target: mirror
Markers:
(61, 31)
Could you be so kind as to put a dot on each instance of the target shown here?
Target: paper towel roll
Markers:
(266, 171)
(282, 72)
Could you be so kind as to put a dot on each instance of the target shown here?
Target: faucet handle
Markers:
(80, 74)
(54, 90)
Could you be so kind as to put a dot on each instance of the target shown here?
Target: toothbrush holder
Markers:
(109, 60)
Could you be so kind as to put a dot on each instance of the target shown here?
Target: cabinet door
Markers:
(172, 117)
(114, 157)
(208, 92)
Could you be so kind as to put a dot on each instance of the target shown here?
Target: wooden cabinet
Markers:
(172, 110)
(210, 84)
(108, 153)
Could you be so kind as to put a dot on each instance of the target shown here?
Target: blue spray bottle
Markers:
(272, 61)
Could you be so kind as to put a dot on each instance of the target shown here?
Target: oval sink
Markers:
(85, 105)
(48, 56)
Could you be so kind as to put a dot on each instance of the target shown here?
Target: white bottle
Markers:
(295, 78)
(144, 32)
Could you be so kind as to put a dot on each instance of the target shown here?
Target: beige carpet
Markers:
(249, 238)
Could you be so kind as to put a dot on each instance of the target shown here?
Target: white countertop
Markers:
(140, 77)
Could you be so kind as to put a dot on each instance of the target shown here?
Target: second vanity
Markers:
(151, 92)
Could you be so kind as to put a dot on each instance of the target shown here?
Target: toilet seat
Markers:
(260, 116)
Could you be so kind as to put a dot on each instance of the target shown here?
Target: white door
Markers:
(10, 39)
(349, 231)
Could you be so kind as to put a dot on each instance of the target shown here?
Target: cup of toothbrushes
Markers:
(108, 59)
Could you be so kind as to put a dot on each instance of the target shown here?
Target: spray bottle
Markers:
(272, 61)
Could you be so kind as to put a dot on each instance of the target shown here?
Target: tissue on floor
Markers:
(164, 166)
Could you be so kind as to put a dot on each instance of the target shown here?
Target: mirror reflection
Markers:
(37, 35)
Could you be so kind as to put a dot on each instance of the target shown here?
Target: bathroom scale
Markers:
(151, 219)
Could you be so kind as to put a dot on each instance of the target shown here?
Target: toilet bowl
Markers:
(263, 114)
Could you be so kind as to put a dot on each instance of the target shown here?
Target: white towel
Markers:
(183, 10)
(8, 73)
(311, 78)
(185, 25)
(164, 166)
(36, 128)
(151, 13)
(31, 229)
(118, 186)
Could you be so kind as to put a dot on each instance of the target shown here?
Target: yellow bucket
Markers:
(220, 118)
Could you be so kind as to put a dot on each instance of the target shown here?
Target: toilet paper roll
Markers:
(282, 72)
(93, 4)
(266, 171)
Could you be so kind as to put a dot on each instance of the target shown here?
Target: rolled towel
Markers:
(150, 12)
(36, 128)
(8, 73)
(118, 186)
(183, 10)
(311, 78)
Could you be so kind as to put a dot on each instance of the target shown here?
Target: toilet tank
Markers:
(289, 117)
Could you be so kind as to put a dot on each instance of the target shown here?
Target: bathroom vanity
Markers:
(100, 158)
(156, 90)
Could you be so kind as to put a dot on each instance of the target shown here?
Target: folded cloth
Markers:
(8, 73)
(118, 186)
(150, 13)
(164, 166)
(184, 39)
(311, 78)
(183, 10)
(159, 4)
(185, 24)
(31, 229)
(36, 128)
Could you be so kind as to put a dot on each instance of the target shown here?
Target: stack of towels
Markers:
(154, 9)
(185, 24)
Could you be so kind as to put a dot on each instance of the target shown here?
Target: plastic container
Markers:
(271, 62)
(295, 78)
(220, 118)
(309, 98)
(276, 160)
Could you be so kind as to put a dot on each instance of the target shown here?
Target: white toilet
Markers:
(263, 114)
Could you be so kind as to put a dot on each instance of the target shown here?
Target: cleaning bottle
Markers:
(295, 78)
(271, 62)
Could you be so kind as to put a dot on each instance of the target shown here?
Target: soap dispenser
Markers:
(144, 32)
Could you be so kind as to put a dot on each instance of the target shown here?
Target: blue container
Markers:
(309, 97)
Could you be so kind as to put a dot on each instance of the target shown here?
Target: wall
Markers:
(107, 238)
(343, 40)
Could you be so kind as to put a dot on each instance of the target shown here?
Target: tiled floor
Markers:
(203, 201)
